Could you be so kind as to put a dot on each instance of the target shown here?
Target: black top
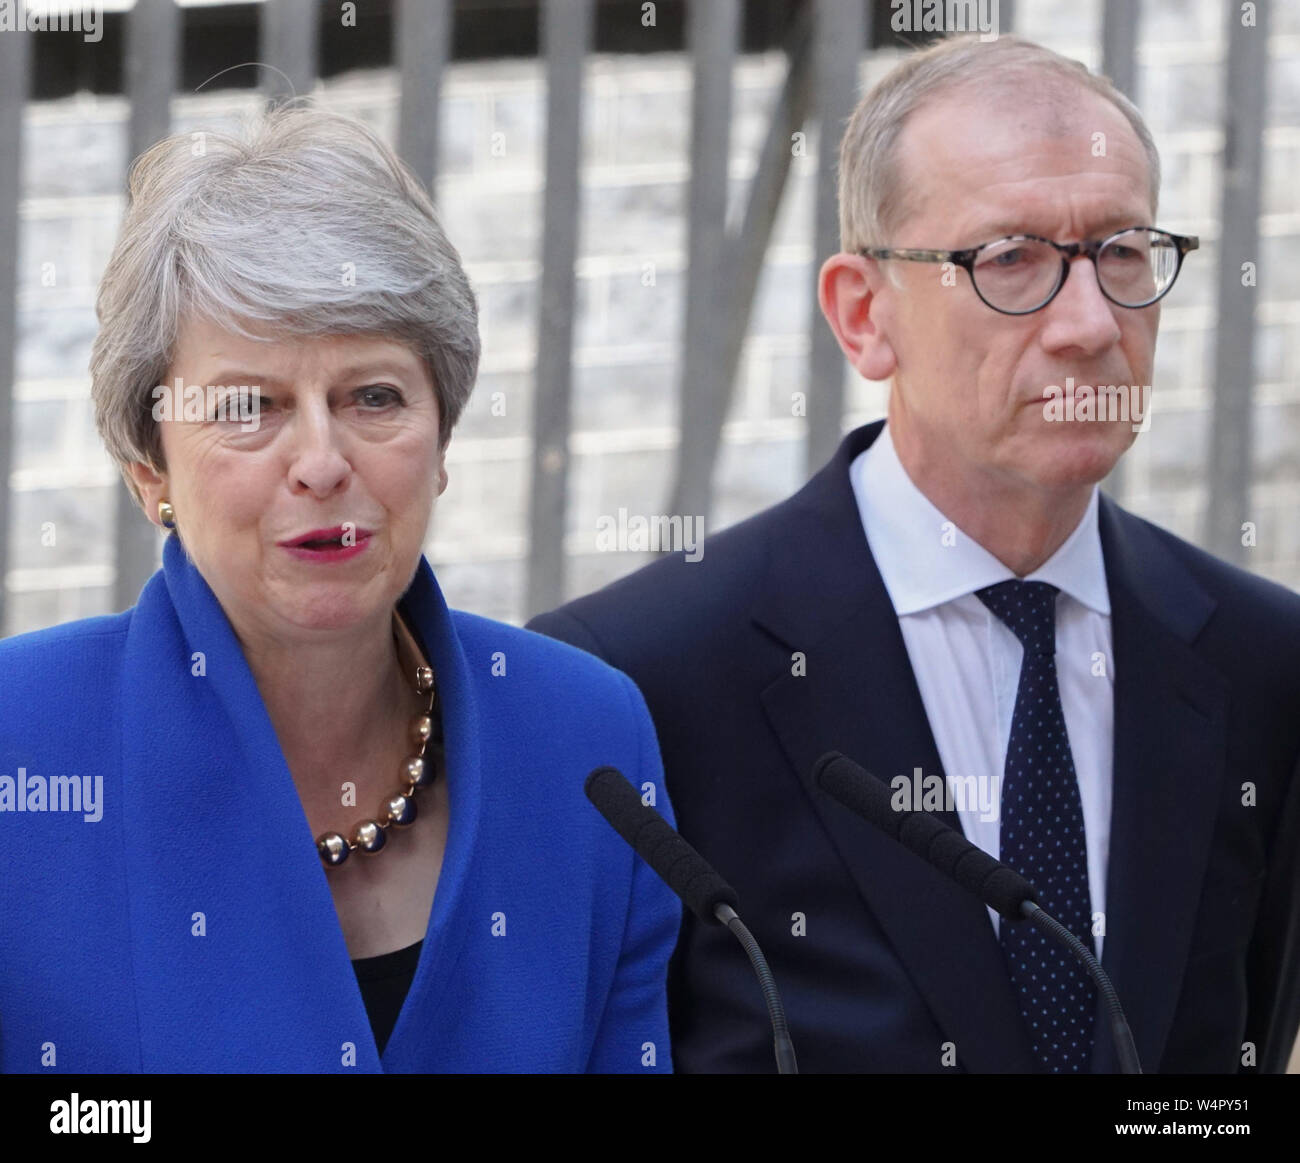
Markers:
(384, 982)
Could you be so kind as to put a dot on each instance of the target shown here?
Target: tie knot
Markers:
(1028, 608)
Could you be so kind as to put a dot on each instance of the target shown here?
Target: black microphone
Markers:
(692, 878)
(998, 885)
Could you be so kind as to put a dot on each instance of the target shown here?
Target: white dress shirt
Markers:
(967, 662)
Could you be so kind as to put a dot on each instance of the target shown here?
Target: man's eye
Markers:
(1009, 258)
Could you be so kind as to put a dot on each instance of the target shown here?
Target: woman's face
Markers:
(345, 441)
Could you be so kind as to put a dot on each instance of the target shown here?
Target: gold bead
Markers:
(166, 515)
(399, 811)
(422, 730)
(332, 847)
(417, 773)
(368, 836)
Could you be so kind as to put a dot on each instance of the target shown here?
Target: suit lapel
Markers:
(469, 753)
(238, 953)
(859, 696)
(1169, 766)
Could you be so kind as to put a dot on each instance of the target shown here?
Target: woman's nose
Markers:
(318, 463)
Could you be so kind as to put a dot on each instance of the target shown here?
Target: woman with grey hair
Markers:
(289, 804)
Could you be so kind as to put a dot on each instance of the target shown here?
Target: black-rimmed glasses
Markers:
(1023, 273)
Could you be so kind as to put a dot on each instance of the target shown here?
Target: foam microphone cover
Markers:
(998, 885)
(683, 869)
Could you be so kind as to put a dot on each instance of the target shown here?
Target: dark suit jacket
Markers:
(1202, 932)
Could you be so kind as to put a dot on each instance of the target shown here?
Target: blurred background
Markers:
(651, 336)
(642, 194)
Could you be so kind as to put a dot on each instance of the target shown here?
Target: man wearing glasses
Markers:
(952, 603)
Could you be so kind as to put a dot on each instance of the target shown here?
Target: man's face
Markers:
(970, 382)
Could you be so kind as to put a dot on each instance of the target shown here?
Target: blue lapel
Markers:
(217, 843)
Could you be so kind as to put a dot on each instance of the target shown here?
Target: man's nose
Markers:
(1081, 316)
(318, 463)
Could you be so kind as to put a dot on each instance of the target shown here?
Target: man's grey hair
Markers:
(873, 204)
(310, 226)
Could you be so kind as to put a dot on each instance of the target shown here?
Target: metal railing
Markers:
(825, 49)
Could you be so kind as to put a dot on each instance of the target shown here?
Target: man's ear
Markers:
(152, 486)
(847, 290)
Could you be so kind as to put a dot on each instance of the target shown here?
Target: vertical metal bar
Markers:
(1228, 504)
(422, 42)
(1120, 28)
(712, 33)
(565, 34)
(290, 38)
(153, 31)
(15, 48)
(839, 34)
(743, 255)
(1119, 36)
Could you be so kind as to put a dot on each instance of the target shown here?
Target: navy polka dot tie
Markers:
(1042, 838)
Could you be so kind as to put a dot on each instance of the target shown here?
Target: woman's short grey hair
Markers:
(872, 204)
(311, 226)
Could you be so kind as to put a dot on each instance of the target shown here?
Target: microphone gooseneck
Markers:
(998, 885)
(1122, 1036)
(693, 879)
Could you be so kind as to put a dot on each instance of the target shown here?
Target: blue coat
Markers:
(181, 921)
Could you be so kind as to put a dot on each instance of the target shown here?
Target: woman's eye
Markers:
(380, 397)
(239, 408)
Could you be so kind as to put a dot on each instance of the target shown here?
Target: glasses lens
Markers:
(1017, 274)
(1137, 266)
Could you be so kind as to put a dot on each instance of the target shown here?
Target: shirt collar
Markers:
(925, 560)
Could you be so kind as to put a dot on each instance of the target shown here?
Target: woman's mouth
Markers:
(326, 545)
